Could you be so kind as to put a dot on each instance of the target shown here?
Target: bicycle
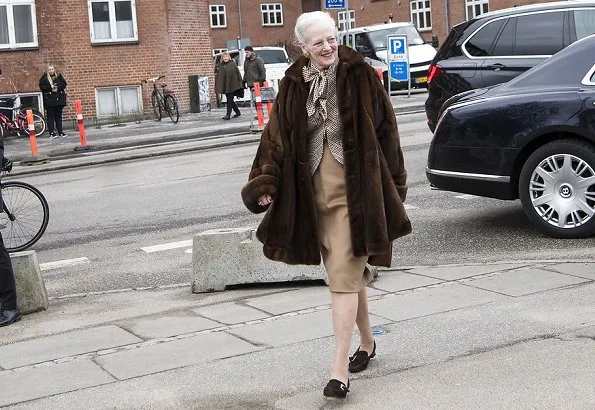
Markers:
(164, 100)
(18, 124)
(26, 212)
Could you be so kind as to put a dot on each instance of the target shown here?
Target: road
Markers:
(129, 224)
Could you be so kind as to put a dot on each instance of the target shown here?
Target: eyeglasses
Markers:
(330, 41)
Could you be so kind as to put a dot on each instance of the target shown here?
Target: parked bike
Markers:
(18, 123)
(163, 101)
(26, 213)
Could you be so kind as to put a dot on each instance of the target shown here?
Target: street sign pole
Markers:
(398, 60)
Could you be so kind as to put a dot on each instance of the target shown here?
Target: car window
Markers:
(539, 34)
(584, 23)
(480, 43)
(504, 44)
(272, 56)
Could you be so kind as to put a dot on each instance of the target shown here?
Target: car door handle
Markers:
(496, 67)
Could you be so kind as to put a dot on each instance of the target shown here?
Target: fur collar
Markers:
(348, 58)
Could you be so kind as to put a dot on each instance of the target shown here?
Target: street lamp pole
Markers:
(240, 18)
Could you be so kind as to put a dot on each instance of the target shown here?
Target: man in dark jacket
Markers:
(9, 312)
(254, 70)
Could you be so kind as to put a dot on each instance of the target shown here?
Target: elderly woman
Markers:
(228, 81)
(329, 173)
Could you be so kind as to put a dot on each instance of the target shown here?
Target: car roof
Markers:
(535, 7)
(574, 61)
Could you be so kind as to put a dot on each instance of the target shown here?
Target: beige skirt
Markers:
(346, 273)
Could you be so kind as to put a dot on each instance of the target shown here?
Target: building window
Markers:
(345, 22)
(18, 24)
(112, 21)
(271, 14)
(421, 14)
(476, 8)
(218, 51)
(218, 16)
(118, 100)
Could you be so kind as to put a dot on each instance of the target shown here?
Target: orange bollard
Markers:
(32, 138)
(78, 108)
(269, 104)
(258, 99)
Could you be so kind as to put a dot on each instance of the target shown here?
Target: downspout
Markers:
(240, 17)
(446, 16)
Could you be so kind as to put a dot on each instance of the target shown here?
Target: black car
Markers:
(498, 46)
(531, 138)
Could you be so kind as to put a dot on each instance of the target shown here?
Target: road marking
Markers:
(188, 251)
(167, 246)
(408, 206)
(465, 196)
(63, 263)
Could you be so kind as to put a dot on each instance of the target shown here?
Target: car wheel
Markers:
(557, 188)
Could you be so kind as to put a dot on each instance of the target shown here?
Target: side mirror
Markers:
(435, 42)
(289, 61)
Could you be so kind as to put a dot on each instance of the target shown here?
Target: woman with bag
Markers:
(228, 81)
(52, 85)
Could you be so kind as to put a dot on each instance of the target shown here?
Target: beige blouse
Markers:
(323, 113)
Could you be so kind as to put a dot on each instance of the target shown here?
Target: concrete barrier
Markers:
(224, 257)
(31, 293)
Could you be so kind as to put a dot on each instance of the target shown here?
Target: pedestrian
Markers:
(52, 84)
(254, 69)
(228, 81)
(329, 173)
(9, 312)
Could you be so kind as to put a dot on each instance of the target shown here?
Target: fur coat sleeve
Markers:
(265, 175)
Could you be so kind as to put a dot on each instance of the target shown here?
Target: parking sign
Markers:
(334, 4)
(398, 58)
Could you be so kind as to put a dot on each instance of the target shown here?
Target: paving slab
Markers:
(299, 299)
(155, 358)
(525, 281)
(293, 329)
(398, 281)
(169, 325)
(455, 272)
(231, 313)
(37, 382)
(428, 301)
(64, 345)
(584, 270)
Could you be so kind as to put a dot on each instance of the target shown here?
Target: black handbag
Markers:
(239, 92)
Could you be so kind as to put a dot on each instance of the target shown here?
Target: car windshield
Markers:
(378, 37)
(272, 56)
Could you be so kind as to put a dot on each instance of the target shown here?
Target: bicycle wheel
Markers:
(39, 122)
(26, 214)
(171, 107)
(156, 102)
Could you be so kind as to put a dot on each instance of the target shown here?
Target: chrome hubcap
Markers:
(562, 191)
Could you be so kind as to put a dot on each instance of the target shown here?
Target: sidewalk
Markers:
(508, 335)
(205, 127)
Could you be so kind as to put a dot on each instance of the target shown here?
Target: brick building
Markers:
(104, 48)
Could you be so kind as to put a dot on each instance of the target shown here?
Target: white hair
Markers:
(313, 18)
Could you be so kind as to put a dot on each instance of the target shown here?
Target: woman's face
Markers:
(51, 70)
(226, 58)
(321, 45)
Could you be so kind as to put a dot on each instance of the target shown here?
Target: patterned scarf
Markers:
(318, 85)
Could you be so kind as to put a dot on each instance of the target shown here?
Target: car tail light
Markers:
(433, 72)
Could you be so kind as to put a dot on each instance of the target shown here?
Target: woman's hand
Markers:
(264, 200)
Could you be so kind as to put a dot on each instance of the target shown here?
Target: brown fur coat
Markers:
(373, 160)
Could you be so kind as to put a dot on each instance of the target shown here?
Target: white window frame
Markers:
(271, 9)
(470, 5)
(218, 51)
(117, 88)
(112, 15)
(421, 9)
(343, 21)
(220, 11)
(12, 44)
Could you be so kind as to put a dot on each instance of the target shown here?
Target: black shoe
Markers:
(53, 135)
(360, 359)
(336, 388)
(62, 134)
(8, 317)
(225, 118)
(236, 115)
